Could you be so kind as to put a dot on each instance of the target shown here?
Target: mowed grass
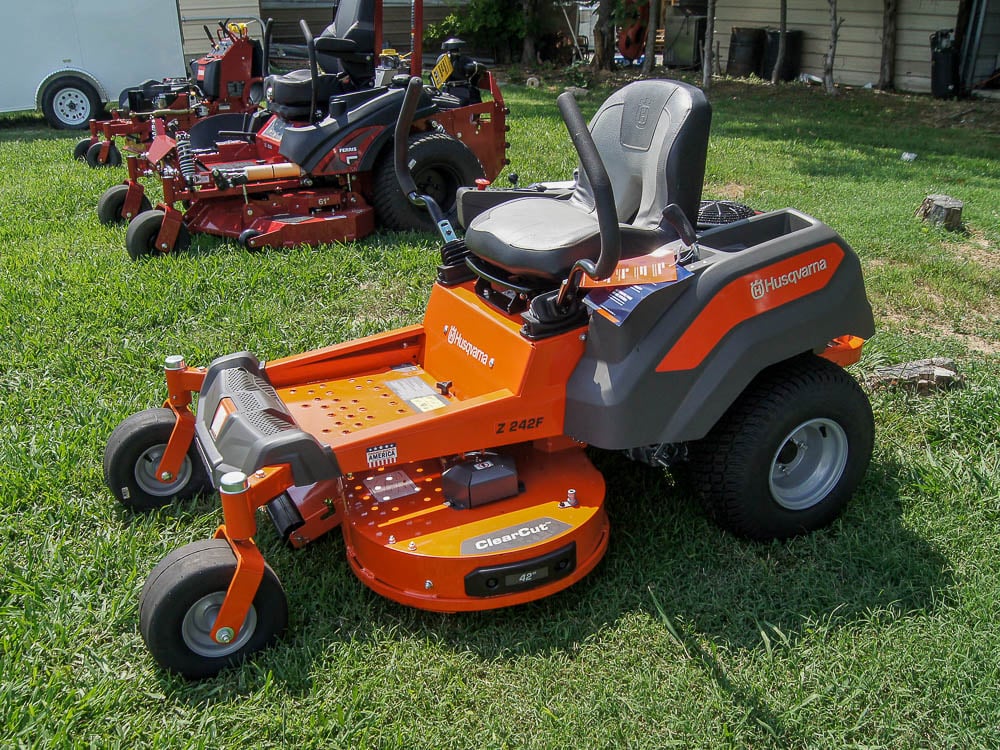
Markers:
(881, 631)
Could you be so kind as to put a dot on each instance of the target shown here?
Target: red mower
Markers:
(228, 79)
(451, 453)
(317, 165)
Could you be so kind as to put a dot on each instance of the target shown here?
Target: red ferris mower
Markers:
(317, 165)
(451, 453)
(228, 79)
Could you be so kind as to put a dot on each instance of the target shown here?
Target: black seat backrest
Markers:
(653, 138)
(354, 21)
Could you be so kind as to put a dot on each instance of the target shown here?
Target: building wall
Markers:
(195, 41)
(859, 47)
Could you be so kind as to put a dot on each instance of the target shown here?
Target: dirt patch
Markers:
(939, 327)
(976, 249)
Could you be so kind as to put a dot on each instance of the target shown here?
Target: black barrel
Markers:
(793, 54)
(944, 64)
(746, 52)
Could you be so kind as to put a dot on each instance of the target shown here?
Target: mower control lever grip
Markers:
(674, 216)
(401, 140)
(313, 67)
(600, 182)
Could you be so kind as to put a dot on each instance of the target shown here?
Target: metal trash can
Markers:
(746, 52)
(944, 64)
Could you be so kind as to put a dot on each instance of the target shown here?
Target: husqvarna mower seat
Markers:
(652, 137)
(346, 47)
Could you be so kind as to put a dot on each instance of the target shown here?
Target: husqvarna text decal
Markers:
(762, 286)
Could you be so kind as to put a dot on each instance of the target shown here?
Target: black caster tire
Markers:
(787, 456)
(140, 240)
(244, 239)
(109, 206)
(69, 103)
(180, 601)
(80, 149)
(93, 156)
(134, 451)
(440, 164)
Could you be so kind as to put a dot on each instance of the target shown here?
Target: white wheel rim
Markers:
(196, 629)
(71, 106)
(808, 464)
(145, 473)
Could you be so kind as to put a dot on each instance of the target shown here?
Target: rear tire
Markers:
(787, 456)
(69, 103)
(140, 240)
(109, 205)
(180, 601)
(440, 164)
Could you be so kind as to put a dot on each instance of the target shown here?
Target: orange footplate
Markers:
(407, 542)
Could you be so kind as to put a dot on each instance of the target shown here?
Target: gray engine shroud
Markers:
(615, 397)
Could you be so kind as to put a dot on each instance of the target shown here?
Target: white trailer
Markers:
(68, 57)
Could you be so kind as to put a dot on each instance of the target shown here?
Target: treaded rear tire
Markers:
(440, 164)
(731, 468)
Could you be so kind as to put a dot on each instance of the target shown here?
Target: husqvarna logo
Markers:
(642, 114)
(455, 338)
(759, 288)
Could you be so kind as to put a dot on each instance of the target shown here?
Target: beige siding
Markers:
(859, 48)
(195, 41)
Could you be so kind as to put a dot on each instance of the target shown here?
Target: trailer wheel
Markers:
(180, 602)
(109, 205)
(440, 164)
(80, 149)
(94, 160)
(132, 455)
(140, 240)
(69, 103)
(788, 455)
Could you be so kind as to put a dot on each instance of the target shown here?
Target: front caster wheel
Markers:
(133, 454)
(95, 160)
(140, 240)
(180, 602)
(80, 149)
(788, 455)
(111, 203)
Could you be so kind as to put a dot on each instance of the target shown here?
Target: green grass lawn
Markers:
(881, 631)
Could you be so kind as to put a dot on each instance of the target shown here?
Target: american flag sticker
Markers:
(381, 455)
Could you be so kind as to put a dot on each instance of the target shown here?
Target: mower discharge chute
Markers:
(317, 165)
(229, 79)
(451, 453)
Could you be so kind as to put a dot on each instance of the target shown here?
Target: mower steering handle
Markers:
(400, 138)
(604, 197)
(313, 67)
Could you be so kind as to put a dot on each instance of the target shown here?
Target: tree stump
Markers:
(922, 375)
(942, 210)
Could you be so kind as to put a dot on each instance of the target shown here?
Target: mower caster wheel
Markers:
(132, 455)
(93, 156)
(111, 202)
(80, 149)
(180, 601)
(788, 455)
(244, 239)
(140, 240)
(440, 164)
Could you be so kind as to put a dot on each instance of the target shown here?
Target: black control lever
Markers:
(678, 220)
(401, 161)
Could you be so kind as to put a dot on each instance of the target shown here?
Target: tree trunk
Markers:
(706, 53)
(887, 69)
(831, 51)
(604, 36)
(528, 54)
(782, 29)
(654, 24)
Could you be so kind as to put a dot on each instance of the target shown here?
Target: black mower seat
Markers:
(653, 138)
(295, 88)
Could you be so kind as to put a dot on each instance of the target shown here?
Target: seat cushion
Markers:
(295, 88)
(535, 237)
